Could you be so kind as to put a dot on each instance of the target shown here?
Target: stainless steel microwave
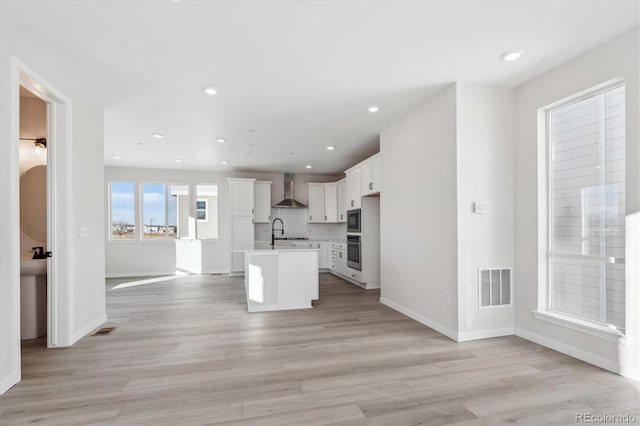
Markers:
(353, 220)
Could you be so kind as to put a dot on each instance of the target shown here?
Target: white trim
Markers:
(9, 381)
(139, 274)
(421, 319)
(88, 328)
(569, 350)
(215, 271)
(485, 334)
(584, 326)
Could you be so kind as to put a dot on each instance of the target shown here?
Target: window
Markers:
(206, 211)
(201, 210)
(154, 210)
(160, 210)
(586, 210)
(123, 211)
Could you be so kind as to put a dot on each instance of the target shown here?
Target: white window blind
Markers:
(587, 208)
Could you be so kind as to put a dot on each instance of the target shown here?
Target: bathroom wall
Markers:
(33, 124)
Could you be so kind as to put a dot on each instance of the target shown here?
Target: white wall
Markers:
(86, 179)
(615, 59)
(418, 211)
(130, 258)
(485, 173)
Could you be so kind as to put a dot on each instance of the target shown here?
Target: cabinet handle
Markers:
(340, 254)
(251, 211)
(341, 217)
(309, 217)
(325, 217)
(370, 186)
(352, 203)
(269, 217)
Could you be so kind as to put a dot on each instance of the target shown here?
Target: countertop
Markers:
(280, 246)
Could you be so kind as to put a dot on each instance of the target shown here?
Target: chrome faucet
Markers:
(273, 230)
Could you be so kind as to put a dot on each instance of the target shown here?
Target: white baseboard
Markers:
(9, 381)
(88, 328)
(215, 271)
(138, 274)
(421, 319)
(485, 334)
(569, 350)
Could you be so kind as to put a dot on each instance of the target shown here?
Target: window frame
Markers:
(545, 224)
(167, 190)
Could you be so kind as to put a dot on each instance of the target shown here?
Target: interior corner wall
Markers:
(86, 178)
(485, 173)
(418, 241)
(617, 58)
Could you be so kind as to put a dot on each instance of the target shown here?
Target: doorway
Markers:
(59, 287)
(33, 218)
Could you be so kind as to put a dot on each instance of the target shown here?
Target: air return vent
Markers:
(494, 287)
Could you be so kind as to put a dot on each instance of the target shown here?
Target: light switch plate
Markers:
(479, 207)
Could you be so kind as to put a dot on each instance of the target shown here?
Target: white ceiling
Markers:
(300, 73)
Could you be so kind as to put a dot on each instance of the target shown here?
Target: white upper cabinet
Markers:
(316, 203)
(262, 202)
(242, 200)
(370, 181)
(341, 193)
(331, 202)
(354, 190)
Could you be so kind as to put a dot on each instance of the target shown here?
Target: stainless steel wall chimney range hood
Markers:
(289, 202)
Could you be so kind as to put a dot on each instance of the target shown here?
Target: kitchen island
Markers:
(281, 277)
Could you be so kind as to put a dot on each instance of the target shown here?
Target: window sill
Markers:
(594, 329)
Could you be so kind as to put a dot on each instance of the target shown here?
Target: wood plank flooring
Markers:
(186, 352)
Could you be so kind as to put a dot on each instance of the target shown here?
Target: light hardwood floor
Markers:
(187, 352)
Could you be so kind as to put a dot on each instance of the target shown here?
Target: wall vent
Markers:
(494, 287)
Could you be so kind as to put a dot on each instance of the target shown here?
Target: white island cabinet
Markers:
(281, 279)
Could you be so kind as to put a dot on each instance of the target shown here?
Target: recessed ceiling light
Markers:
(512, 55)
(210, 90)
(221, 140)
(374, 108)
(224, 163)
(178, 160)
(157, 135)
(308, 166)
(331, 148)
(116, 157)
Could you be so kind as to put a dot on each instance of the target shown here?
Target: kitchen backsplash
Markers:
(295, 225)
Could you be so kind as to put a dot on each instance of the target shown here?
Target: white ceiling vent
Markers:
(494, 287)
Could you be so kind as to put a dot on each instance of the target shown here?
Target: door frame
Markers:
(59, 289)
